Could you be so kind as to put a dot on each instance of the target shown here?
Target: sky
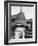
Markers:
(29, 12)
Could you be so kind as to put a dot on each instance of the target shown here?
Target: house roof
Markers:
(20, 19)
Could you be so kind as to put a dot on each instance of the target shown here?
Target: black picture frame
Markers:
(6, 22)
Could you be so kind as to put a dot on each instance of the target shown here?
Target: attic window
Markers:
(13, 20)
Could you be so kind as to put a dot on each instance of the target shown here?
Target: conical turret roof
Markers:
(20, 16)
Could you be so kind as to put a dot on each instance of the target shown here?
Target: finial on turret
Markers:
(20, 8)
